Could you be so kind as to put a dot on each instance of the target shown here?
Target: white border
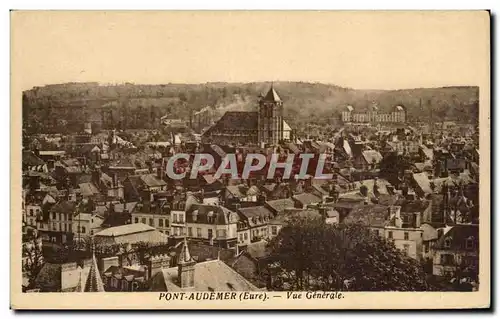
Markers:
(217, 5)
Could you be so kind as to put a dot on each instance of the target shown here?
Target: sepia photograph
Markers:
(250, 159)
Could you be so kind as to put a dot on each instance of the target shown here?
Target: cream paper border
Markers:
(360, 300)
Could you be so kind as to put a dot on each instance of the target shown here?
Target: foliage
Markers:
(33, 261)
(135, 106)
(311, 255)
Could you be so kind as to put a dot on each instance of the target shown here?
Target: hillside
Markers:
(72, 103)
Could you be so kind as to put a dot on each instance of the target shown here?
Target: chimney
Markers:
(363, 190)
(185, 268)
(398, 220)
(159, 172)
(262, 199)
(108, 262)
(417, 220)
(156, 263)
(115, 181)
(390, 189)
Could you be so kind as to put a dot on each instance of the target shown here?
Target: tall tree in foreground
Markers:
(311, 255)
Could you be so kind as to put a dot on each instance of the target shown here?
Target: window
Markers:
(183, 230)
(166, 222)
(83, 229)
(469, 243)
(274, 230)
(53, 216)
(151, 222)
(447, 243)
(407, 236)
(198, 232)
(390, 235)
(190, 231)
(221, 233)
(246, 236)
(181, 218)
(175, 218)
(447, 259)
(406, 249)
(210, 233)
(136, 220)
(31, 212)
(143, 220)
(70, 216)
(160, 222)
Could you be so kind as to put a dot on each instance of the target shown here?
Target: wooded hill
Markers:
(304, 102)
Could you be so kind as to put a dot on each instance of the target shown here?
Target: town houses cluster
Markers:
(101, 212)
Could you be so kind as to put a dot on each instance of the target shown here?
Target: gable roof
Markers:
(306, 198)
(457, 237)
(212, 275)
(222, 215)
(372, 156)
(369, 215)
(234, 120)
(280, 205)
(125, 230)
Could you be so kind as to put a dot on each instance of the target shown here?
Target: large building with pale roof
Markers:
(372, 115)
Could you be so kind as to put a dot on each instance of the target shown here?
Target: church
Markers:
(266, 126)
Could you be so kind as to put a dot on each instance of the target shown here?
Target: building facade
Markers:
(397, 115)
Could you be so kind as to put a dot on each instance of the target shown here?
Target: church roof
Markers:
(185, 256)
(94, 281)
(272, 96)
(237, 121)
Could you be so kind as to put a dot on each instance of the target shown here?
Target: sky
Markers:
(363, 50)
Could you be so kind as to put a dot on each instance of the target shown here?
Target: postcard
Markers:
(250, 160)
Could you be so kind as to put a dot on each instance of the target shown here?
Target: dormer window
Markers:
(469, 243)
(447, 243)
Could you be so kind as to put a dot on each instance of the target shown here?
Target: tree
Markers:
(311, 255)
(33, 260)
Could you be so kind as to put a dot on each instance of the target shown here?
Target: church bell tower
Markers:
(270, 118)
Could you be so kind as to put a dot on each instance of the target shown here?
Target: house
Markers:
(387, 222)
(214, 225)
(456, 252)
(143, 186)
(130, 234)
(369, 160)
(304, 199)
(278, 206)
(60, 222)
(253, 223)
(155, 214)
(87, 224)
(188, 275)
(241, 193)
(251, 262)
(178, 214)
